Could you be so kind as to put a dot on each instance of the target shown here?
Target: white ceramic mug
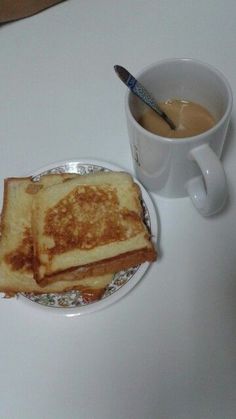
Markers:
(187, 166)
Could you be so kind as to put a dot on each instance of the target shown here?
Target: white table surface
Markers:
(168, 349)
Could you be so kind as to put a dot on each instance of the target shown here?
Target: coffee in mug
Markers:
(190, 119)
(189, 165)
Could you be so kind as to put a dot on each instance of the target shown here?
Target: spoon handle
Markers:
(137, 88)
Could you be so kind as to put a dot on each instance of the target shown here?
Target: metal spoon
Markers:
(140, 91)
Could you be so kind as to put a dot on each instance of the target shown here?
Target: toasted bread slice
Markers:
(16, 244)
(92, 224)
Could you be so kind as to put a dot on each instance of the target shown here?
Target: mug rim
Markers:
(182, 139)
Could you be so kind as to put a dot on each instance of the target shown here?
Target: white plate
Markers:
(71, 303)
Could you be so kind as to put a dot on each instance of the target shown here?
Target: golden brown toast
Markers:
(16, 244)
(91, 225)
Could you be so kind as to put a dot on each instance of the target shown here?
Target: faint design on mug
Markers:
(136, 155)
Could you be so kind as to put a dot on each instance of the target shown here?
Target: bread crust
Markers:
(5, 198)
(105, 266)
(89, 294)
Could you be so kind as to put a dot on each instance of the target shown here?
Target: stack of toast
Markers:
(70, 232)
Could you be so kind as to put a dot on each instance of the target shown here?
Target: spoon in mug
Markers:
(136, 87)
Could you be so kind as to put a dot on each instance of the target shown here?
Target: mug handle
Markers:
(209, 191)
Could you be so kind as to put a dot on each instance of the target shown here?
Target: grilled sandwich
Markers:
(16, 243)
(91, 225)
